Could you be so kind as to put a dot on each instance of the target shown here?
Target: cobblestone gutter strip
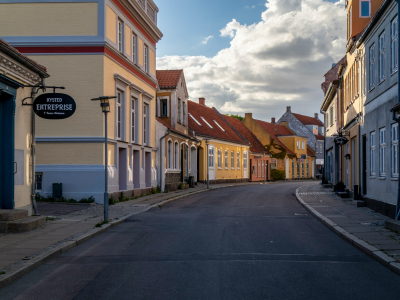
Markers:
(368, 249)
(25, 266)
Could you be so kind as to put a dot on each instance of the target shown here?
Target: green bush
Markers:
(277, 174)
(339, 187)
(182, 186)
(112, 200)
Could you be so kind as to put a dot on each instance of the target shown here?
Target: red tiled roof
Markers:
(255, 145)
(21, 56)
(210, 115)
(275, 130)
(174, 130)
(308, 120)
(168, 79)
(310, 153)
(319, 137)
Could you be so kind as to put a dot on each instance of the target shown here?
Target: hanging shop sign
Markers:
(340, 140)
(303, 156)
(54, 106)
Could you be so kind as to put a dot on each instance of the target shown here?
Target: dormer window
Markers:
(206, 122)
(365, 8)
(194, 119)
(219, 126)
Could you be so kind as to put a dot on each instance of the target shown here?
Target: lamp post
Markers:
(105, 108)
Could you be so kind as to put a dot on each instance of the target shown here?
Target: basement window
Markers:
(194, 119)
(220, 127)
(206, 122)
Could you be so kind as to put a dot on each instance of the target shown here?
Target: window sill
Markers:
(394, 179)
(372, 177)
(369, 91)
(383, 80)
(382, 177)
(394, 72)
(219, 168)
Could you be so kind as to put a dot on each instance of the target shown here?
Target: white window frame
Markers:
(394, 149)
(371, 83)
(302, 145)
(169, 154)
(393, 45)
(226, 159)
(382, 57)
(211, 156)
(369, 10)
(245, 160)
(179, 110)
(37, 174)
(232, 159)
(219, 159)
(146, 58)
(134, 102)
(119, 115)
(372, 153)
(238, 160)
(220, 127)
(134, 48)
(204, 120)
(184, 113)
(176, 156)
(120, 36)
(298, 144)
(194, 119)
(382, 146)
(146, 123)
(255, 168)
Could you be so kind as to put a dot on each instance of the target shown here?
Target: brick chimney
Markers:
(273, 120)
(248, 116)
(288, 108)
(202, 101)
(316, 115)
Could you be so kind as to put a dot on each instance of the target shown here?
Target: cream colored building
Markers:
(100, 47)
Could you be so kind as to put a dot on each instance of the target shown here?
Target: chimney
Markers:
(202, 101)
(316, 115)
(248, 116)
(273, 120)
(288, 108)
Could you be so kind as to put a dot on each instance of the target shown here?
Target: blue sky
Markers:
(262, 57)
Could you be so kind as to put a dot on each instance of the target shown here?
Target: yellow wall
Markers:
(69, 153)
(310, 159)
(48, 19)
(79, 75)
(111, 154)
(223, 173)
(152, 63)
(111, 24)
(140, 51)
(291, 143)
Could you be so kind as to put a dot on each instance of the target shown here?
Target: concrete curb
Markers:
(368, 249)
(25, 266)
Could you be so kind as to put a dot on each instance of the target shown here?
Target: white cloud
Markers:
(205, 41)
(278, 61)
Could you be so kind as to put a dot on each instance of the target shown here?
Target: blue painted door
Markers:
(6, 151)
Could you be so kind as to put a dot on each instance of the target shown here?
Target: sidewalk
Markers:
(360, 226)
(22, 252)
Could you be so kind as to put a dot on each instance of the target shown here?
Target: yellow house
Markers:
(93, 48)
(17, 72)
(228, 153)
(290, 150)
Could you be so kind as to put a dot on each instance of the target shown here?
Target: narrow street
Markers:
(245, 242)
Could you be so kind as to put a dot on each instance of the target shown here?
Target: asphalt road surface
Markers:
(246, 242)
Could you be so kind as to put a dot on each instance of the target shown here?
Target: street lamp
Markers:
(105, 108)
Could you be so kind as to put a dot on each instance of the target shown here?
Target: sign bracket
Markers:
(38, 88)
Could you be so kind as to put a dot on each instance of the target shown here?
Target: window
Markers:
(263, 169)
(146, 59)
(119, 114)
(307, 169)
(302, 169)
(133, 119)
(184, 113)
(145, 123)
(245, 160)
(38, 181)
(226, 159)
(164, 108)
(302, 145)
(220, 127)
(176, 156)
(120, 35)
(363, 75)
(211, 157)
(190, 115)
(204, 120)
(382, 57)
(255, 169)
(372, 154)
(298, 169)
(371, 66)
(219, 159)
(169, 164)
(232, 160)
(394, 149)
(331, 114)
(393, 45)
(259, 168)
(365, 9)
(134, 48)
(179, 110)
(238, 160)
(298, 144)
(382, 145)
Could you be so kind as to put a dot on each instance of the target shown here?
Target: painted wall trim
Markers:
(43, 168)
(70, 139)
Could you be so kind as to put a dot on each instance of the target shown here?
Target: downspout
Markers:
(323, 173)
(161, 175)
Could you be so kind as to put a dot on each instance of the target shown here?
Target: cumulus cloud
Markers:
(205, 41)
(278, 61)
